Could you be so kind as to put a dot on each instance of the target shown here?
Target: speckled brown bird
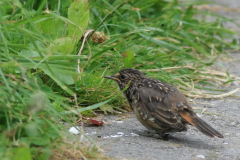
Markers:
(158, 106)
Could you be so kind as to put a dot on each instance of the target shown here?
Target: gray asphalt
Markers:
(120, 137)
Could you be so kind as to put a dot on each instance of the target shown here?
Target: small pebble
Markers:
(115, 136)
(199, 115)
(94, 132)
(118, 121)
(215, 116)
(227, 134)
(121, 133)
(201, 156)
(225, 143)
(106, 137)
(133, 134)
(74, 130)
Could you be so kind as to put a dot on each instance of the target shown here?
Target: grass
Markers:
(45, 81)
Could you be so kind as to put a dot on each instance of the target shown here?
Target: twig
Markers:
(192, 88)
(204, 109)
(83, 42)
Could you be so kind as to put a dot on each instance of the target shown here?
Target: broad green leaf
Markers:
(31, 51)
(128, 57)
(63, 77)
(36, 103)
(57, 106)
(64, 45)
(78, 13)
(31, 129)
(22, 153)
(59, 82)
(53, 27)
(40, 140)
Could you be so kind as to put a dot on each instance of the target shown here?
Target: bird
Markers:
(159, 106)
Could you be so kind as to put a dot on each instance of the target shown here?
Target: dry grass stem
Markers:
(83, 42)
(216, 8)
(168, 68)
(72, 151)
(202, 95)
(218, 77)
(206, 71)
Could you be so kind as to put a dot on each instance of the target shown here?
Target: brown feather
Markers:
(159, 106)
(200, 124)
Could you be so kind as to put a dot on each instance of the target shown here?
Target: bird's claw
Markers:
(162, 136)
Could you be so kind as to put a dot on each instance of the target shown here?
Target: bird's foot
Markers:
(162, 136)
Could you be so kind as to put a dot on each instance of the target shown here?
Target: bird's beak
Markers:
(109, 77)
(113, 77)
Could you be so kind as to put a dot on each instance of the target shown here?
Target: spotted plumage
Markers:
(158, 106)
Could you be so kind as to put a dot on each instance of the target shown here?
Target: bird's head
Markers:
(126, 77)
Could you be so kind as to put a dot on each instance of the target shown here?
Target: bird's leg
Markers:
(162, 136)
(146, 133)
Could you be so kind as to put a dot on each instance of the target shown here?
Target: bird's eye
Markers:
(123, 76)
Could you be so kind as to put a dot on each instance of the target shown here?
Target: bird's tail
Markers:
(202, 126)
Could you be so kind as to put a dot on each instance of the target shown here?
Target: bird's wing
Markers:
(161, 102)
